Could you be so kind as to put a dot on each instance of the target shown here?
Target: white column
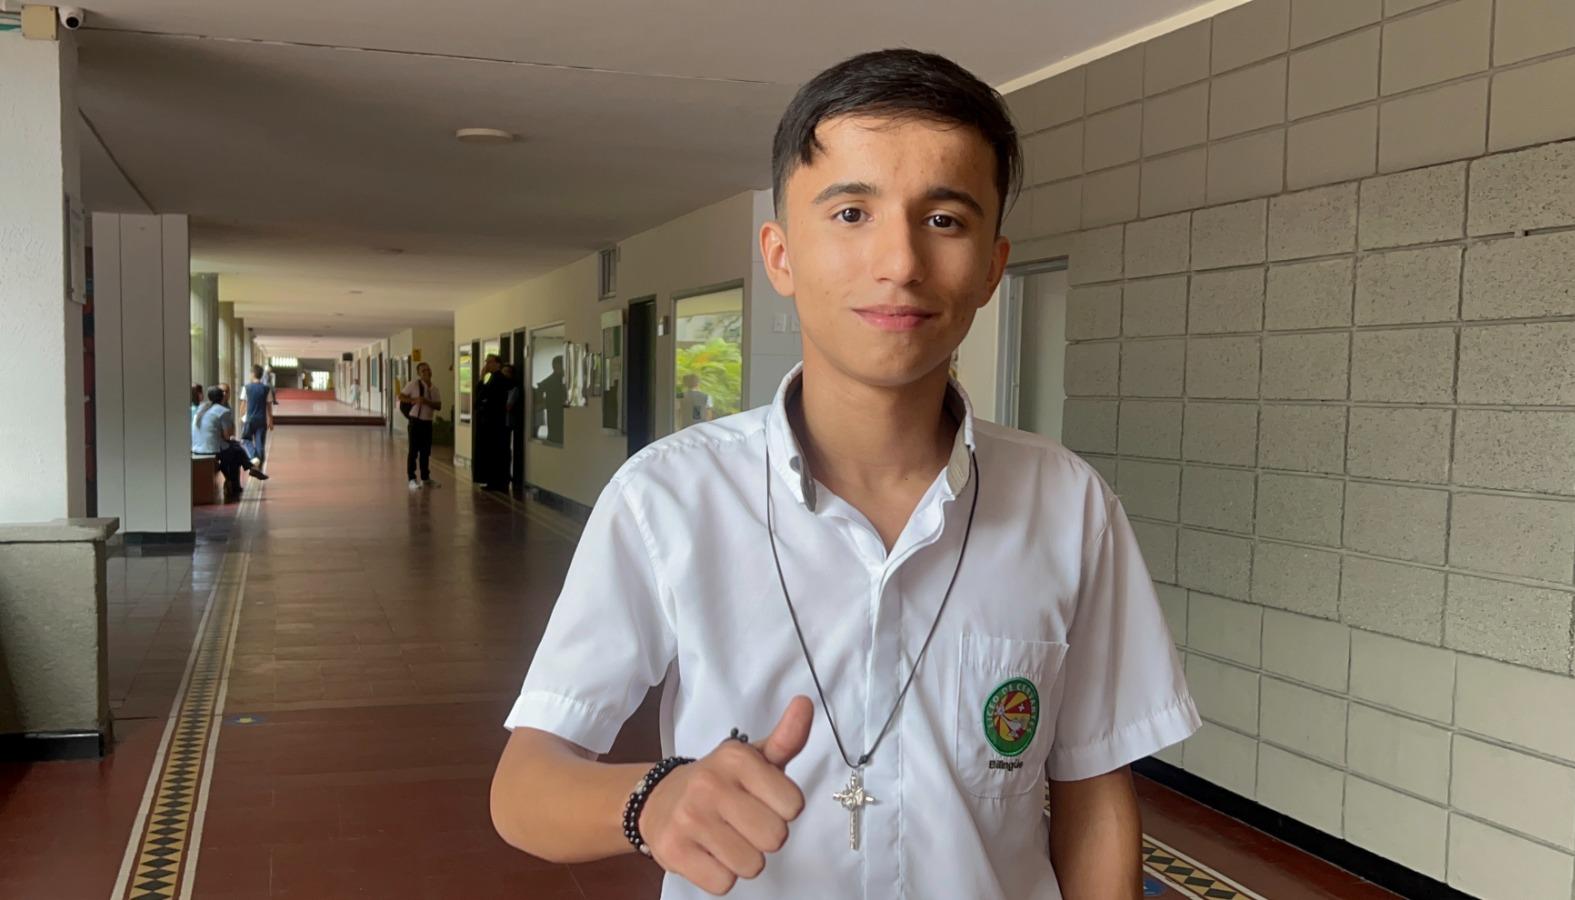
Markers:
(142, 316)
(42, 435)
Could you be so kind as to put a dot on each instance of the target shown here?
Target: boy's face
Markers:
(888, 245)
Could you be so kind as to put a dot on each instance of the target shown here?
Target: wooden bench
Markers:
(207, 489)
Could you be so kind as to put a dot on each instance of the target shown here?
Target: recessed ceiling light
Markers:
(483, 136)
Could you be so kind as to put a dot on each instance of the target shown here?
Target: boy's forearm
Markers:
(1096, 837)
(553, 803)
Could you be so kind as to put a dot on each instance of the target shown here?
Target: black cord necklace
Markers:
(853, 797)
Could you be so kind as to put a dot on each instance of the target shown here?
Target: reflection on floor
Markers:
(321, 411)
(370, 639)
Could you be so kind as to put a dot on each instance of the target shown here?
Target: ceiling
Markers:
(312, 144)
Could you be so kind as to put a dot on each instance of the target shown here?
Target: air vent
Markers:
(609, 273)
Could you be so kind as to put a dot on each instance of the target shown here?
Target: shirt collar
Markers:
(787, 458)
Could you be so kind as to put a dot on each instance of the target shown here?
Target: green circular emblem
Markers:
(1011, 716)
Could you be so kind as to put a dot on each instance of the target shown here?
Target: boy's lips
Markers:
(895, 318)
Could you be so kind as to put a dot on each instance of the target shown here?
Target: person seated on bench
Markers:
(213, 432)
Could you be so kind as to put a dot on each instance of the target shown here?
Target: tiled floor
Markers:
(382, 635)
(308, 407)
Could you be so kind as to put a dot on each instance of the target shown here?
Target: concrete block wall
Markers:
(1333, 380)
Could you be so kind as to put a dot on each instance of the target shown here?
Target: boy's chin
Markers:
(888, 373)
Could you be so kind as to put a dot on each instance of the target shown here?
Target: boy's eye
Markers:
(941, 220)
(851, 216)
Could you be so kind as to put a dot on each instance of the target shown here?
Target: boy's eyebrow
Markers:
(856, 188)
(865, 189)
(940, 192)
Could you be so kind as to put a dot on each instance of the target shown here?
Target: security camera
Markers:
(71, 17)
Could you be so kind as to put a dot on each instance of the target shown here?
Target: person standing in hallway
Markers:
(256, 417)
(213, 434)
(928, 617)
(492, 430)
(425, 401)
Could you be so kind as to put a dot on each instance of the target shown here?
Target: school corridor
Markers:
(1296, 278)
(309, 704)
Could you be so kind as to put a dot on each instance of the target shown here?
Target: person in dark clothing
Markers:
(492, 429)
(256, 416)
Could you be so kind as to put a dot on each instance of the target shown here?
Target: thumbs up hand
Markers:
(713, 821)
(787, 740)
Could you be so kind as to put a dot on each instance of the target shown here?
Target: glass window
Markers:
(549, 384)
(463, 370)
(709, 343)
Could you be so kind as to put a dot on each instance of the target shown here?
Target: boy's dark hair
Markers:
(257, 371)
(899, 84)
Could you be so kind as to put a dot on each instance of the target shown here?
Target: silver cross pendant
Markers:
(853, 799)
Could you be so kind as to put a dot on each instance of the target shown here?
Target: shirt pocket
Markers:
(1003, 731)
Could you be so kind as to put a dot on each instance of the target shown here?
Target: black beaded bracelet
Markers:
(642, 792)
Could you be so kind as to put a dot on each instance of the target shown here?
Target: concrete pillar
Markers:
(205, 330)
(243, 348)
(229, 363)
(54, 687)
(142, 305)
(43, 472)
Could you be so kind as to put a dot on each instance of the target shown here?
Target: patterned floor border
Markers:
(161, 854)
(1189, 876)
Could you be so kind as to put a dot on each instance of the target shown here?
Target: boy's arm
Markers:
(1096, 837)
(711, 822)
(551, 798)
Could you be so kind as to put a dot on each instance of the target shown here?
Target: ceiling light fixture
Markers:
(484, 136)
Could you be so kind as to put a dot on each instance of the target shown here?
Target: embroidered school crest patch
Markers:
(1011, 716)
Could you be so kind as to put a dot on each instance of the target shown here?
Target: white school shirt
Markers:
(414, 389)
(1053, 634)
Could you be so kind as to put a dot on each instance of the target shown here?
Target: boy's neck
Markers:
(860, 439)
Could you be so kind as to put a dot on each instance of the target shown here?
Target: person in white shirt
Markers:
(923, 615)
(425, 400)
(694, 405)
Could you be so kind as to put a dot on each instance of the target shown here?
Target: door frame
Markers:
(650, 341)
(1009, 371)
(518, 340)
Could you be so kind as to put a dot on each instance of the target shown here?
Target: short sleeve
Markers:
(226, 421)
(1125, 695)
(609, 640)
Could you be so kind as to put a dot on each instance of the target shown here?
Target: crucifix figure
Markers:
(853, 799)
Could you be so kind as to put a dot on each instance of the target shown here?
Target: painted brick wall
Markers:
(1323, 320)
